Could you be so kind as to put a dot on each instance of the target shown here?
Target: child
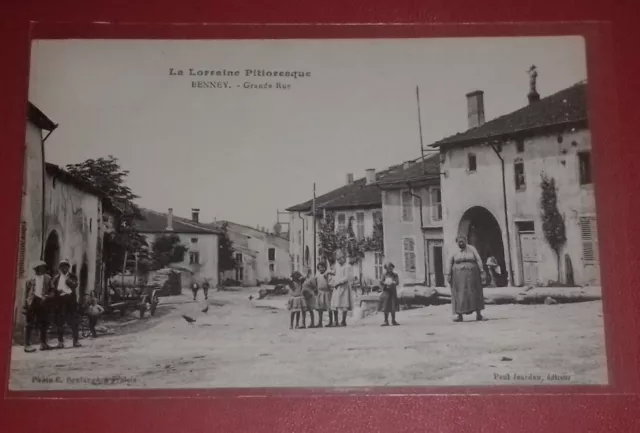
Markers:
(319, 283)
(389, 297)
(205, 289)
(296, 302)
(93, 311)
(194, 289)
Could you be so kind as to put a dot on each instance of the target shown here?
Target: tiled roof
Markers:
(415, 173)
(62, 175)
(38, 118)
(568, 106)
(156, 222)
(355, 195)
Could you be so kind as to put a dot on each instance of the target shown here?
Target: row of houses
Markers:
(259, 256)
(483, 183)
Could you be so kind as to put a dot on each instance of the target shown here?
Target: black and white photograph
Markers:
(310, 213)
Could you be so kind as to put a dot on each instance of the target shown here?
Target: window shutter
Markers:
(409, 255)
(589, 239)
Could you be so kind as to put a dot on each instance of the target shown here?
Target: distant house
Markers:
(62, 216)
(260, 256)
(491, 187)
(412, 215)
(357, 204)
(201, 240)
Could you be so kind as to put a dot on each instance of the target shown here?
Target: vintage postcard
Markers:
(308, 213)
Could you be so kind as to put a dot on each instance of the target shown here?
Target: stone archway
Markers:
(52, 251)
(482, 231)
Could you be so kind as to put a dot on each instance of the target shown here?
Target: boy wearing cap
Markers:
(64, 287)
(36, 306)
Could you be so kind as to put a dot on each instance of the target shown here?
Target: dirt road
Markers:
(247, 343)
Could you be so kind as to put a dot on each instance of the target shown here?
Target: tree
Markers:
(226, 261)
(106, 175)
(552, 220)
(167, 249)
(328, 238)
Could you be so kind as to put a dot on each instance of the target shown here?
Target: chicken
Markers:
(205, 309)
(250, 297)
(189, 320)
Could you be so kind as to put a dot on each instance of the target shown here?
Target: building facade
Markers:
(413, 221)
(356, 204)
(491, 184)
(260, 256)
(200, 261)
(62, 217)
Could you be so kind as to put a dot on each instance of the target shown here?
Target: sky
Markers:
(242, 154)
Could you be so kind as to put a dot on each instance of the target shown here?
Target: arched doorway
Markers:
(483, 232)
(52, 251)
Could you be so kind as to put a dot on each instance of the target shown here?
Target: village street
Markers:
(247, 343)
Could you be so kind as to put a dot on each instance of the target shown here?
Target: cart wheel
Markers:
(154, 302)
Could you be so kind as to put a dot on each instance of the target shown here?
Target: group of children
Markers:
(330, 290)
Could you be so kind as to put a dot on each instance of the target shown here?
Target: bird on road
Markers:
(189, 320)
(250, 297)
(205, 309)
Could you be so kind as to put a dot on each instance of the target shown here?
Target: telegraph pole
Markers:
(315, 248)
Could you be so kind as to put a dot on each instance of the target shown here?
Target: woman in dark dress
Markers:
(389, 299)
(465, 278)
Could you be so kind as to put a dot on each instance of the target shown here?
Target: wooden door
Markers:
(529, 258)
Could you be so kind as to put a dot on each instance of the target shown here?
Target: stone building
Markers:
(491, 187)
(201, 241)
(260, 256)
(357, 204)
(412, 215)
(62, 216)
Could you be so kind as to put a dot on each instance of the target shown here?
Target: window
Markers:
(272, 267)
(377, 217)
(520, 145)
(272, 254)
(518, 168)
(238, 258)
(589, 237)
(407, 206)
(194, 240)
(378, 259)
(409, 255)
(342, 223)
(436, 204)
(584, 161)
(360, 225)
(194, 258)
(471, 162)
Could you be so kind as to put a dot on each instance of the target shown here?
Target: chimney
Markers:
(533, 94)
(475, 108)
(371, 175)
(195, 215)
(170, 220)
(349, 178)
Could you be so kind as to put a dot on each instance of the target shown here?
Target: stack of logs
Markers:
(420, 295)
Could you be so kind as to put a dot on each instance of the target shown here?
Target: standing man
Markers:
(36, 306)
(205, 289)
(64, 286)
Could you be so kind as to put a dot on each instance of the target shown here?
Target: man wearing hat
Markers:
(64, 287)
(36, 306)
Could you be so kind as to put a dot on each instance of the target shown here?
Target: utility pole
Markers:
(315, 248)
(424, 170)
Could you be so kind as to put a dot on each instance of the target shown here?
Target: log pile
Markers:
(420, 295)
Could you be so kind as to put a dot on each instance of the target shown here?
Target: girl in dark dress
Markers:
(389, 299)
